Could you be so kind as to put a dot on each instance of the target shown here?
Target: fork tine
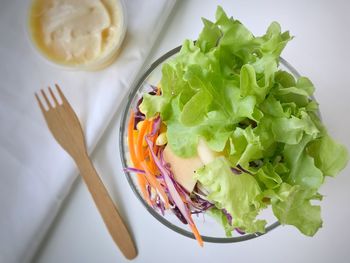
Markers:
(63, 98)
(53, 97)
(39, 102)
(46, 99)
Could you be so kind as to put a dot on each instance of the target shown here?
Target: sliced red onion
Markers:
(170, 185)
(177, 198)
(167, 166)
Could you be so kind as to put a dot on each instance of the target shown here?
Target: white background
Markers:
(320, 51)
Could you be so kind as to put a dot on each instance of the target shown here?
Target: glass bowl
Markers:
(209, 228)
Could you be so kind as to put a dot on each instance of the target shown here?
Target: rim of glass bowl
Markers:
(122, 149)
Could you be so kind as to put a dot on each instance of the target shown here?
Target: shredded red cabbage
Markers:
(239, 231)
(149, 190)
(197, 204)
(160, 205)
(179, 215)
(228, 216)
(243, 170)
(236, 171)
(174, 192)
(155, 127)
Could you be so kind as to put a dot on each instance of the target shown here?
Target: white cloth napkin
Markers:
(36, 174)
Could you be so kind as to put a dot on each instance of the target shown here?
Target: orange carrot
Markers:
(152, 166)
(131, 140)
(196, 234)
(140, 156)
(141, 179)
(155, 184)
(139, 146)
(183, 199)
(142, 153)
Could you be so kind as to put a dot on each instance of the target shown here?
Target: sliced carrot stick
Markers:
(152, 165)
(155, 184)
(142, 184)
(131, 139)
(145, 153)
(139, 146)
(141, 179)
(183, 199)
(196, 233)
(142, 152)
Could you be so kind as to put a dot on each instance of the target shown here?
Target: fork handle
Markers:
(105, 205)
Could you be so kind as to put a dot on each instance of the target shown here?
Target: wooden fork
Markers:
(65, 128)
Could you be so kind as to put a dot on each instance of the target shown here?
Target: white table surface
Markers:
(320, 51)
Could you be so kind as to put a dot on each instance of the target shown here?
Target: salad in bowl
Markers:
(228, 129)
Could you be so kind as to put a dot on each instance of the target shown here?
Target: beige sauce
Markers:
(75, 32)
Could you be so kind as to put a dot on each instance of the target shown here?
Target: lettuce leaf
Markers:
(292, 206)
(269, 176)
(181, 139)
(303, 170)
(291, 130)
(330, 157)
(245, 147)
(236, 193)
(152, 104)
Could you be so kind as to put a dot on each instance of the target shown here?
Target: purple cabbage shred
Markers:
(228, 216)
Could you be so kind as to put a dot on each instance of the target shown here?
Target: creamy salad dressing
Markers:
(74, 32)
